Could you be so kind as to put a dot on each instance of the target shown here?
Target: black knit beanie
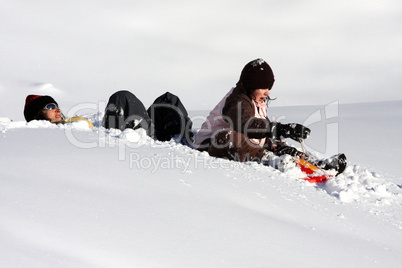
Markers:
(257, 75)
(34, 104)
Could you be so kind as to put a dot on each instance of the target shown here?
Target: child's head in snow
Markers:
(38, 107)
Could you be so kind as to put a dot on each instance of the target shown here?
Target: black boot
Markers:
(337, 162)
(114, 118)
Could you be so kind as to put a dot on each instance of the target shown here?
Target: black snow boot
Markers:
(337, 162)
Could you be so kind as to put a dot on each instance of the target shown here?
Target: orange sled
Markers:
(313, 173)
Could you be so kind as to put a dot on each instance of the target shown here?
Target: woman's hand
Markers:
(294, 131)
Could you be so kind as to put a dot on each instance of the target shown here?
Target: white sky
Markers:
(83, 51)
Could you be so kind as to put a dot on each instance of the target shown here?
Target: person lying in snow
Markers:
(238, 127)
(38, 107)
(165, 119)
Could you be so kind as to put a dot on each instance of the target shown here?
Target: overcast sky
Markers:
(83, 51)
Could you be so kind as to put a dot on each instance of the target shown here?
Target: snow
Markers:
(73, 196)
(46, 88)
(319, 51)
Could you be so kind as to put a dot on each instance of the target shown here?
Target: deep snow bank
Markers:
(78, 197)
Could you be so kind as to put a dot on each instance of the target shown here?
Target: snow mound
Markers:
(361, 185)
(46, 89)
(4, 120)
(356, 184)
(76, 196)
(107, 195)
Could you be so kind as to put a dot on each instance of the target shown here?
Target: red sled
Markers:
(313, 173)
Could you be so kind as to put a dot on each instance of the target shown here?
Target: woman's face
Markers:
(52, 112)
(259, 95)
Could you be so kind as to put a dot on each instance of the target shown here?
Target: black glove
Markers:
(293, 131)
(286, 150)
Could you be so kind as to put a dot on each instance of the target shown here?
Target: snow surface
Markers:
(72, 196)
